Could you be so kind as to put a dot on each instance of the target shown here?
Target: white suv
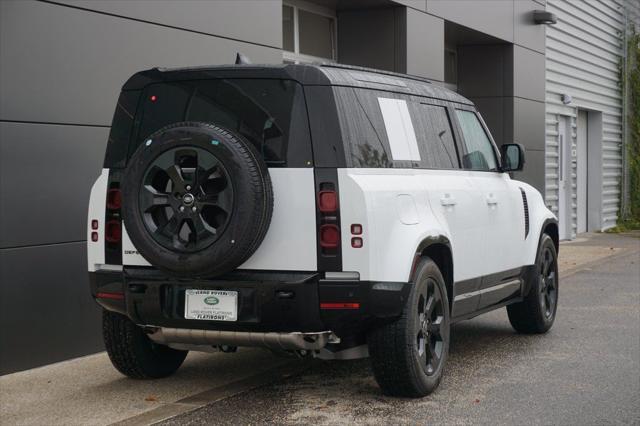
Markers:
(329, 211)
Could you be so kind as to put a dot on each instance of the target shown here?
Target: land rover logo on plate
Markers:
(211, 305)
(211, 300)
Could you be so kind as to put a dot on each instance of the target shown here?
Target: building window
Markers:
(308, 34)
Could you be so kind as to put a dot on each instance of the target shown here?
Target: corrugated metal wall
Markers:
(582, 59)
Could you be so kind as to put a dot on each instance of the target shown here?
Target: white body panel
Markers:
(290, 243)
(485, 237)
(97, 208)
(397, 208)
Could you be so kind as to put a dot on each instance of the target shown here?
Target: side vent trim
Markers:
(525, 204)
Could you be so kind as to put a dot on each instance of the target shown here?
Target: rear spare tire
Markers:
(197, 199)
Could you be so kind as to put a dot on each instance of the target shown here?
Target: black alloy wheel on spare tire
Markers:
(197, 199)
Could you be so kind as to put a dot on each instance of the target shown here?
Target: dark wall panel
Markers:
(67, 65)
(46, 311)
(46, 174)
(256, 21)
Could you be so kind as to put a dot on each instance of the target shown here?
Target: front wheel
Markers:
(408, 355)
(135, 355)
(537, 312)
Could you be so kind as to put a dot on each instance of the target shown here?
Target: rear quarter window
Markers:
(373, 121)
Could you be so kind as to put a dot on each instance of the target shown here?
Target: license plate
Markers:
(212, 305)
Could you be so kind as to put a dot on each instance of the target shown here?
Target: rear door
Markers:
(499, 213)
(453, 199)
(271, 115)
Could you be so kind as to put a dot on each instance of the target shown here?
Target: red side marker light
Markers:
(94, 236)
(340, 305)
(327, 201)
(356, 242)
(356, 229)
(94, 224)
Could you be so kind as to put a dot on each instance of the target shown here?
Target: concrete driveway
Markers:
(586, 370)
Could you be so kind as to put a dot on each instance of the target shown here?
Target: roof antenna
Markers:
(241, 59)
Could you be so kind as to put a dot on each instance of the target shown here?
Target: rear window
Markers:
(270, 114)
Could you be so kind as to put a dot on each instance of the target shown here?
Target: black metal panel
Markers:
(328, 262)
(46, 311)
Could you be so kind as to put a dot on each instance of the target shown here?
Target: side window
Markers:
(435, 137)
(479, 153)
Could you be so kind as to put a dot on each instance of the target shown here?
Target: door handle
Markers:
(447, 200)
(492, 200)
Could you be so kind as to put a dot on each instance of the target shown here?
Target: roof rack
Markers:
(372, 70)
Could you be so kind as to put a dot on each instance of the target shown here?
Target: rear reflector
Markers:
(114, 199)
(340, 305)
(112, 231)
(327, 201)
(112, 296)
(329, 236)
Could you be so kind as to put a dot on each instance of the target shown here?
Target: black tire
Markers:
(133, 354)
(231, 198)
(537, 312)
(399, 365)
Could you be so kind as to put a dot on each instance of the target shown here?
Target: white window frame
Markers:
(296, 56)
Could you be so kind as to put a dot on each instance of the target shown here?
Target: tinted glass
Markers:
(435, 137)
(316, 34)
(363, 130)
(121, 128)
(479, 153)
(271, 114)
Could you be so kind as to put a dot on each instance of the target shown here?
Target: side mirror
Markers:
(512, 157)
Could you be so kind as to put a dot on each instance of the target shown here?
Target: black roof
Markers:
(307, 74)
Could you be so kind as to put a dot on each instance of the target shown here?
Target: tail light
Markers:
(113, 231)
(328, 220)
(114, 199)
(329, 236)
(327, 201)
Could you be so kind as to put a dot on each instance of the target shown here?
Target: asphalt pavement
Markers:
(586, 370)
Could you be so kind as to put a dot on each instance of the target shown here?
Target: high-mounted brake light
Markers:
(112, 231)
(329, 236)
(114, 199)
(327, 201)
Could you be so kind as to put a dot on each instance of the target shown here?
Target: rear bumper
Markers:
(268, 302)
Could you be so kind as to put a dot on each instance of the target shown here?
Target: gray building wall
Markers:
(62, 65)
(584, 51)
(61, 69)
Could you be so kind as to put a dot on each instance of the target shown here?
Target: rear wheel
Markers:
(408, 355)
(537, 312)
(135, 355)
